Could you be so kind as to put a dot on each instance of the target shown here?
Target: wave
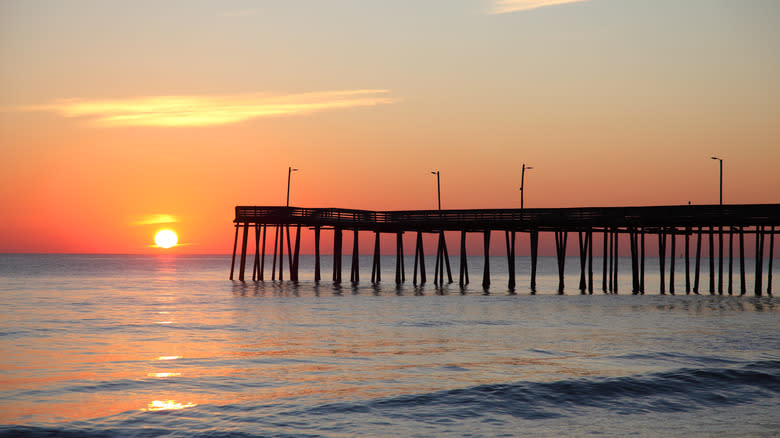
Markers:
(680, 391)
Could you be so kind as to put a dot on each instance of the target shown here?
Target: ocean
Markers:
(124, 345)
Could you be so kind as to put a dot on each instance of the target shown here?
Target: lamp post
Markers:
(290, 170)
(438, 186)
(720, 160)
(522, 183)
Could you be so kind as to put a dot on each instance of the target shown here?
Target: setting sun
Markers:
(166, 239)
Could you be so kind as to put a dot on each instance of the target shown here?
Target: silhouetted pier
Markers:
(672, 225)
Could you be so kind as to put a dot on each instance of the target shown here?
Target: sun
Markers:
(166, 238)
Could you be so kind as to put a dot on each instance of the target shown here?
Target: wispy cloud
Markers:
(505, 6)
(156, 219)
(172, 111)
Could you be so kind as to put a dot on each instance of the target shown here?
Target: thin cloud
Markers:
(506, 6)
(179, 111)
(156, 219)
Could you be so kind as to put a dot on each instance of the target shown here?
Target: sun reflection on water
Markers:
(168, 357)
(161, 375)
(167, 405)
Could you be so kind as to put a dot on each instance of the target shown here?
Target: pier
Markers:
(685, 225)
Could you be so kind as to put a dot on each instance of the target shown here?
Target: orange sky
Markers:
(114, 113)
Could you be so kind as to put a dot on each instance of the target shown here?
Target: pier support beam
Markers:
(235, 245)
(605, 260)
(273, 264)
(463, 277)
(560, 250)
(486, 271)
(687, 261)
(642, 262)
(338, 238)
(590, 262)
(712, 259)
(759, 260)
(742, 282)
(419, 255)
(720, 260)
(583, 241)
(633, 240)
(296, 254)
(317, 267)
(662, 259)
(510, 258)
(400, 275)
(354, 270)
(731, 260)
(243, 252)
(376, 268)
(671, 260)
(771, 257)
(697, 263)
(262, 255)
(534, 237)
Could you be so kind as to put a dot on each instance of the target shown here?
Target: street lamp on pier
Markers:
(290, 170)
(720, 160)
(522, 183)
(438, 186)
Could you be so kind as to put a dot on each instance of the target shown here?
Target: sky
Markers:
(118, 119)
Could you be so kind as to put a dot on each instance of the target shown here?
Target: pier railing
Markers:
(689, 224)
(542, 219)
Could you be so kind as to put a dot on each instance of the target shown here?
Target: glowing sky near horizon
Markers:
(117, 117)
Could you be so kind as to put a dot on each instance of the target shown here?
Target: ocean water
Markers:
(168, 346)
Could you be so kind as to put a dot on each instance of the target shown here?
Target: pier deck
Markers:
(674, 222)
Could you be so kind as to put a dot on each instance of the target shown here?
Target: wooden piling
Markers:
(262, 254)
(712, 259)
(273, 265)
(463, 274)
(376, 268)
(354, 269)
(720, 260)
(583, 260)
(486, 271)
(698, 262)
(771, 257)
(742, 285)
(291, 263)
(590, 262)
(317, 267)
(338, 237)
(534, 239)
(281, 252)
(510, 258)
(446, 257)
(399, 258)
(662, 259)
(243, 252)
(560, 247)
(642, 262)
(617, 258)
(759, 260)
(256, 262)
(296, 254)
(235, 245)
(419, 254)
(687, 261)
(634, 247)
(671, 261)
(731, 260)
(605, 258)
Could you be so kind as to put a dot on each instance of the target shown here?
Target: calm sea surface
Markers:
(167, 346)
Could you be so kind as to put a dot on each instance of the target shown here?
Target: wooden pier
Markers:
(671, 225)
